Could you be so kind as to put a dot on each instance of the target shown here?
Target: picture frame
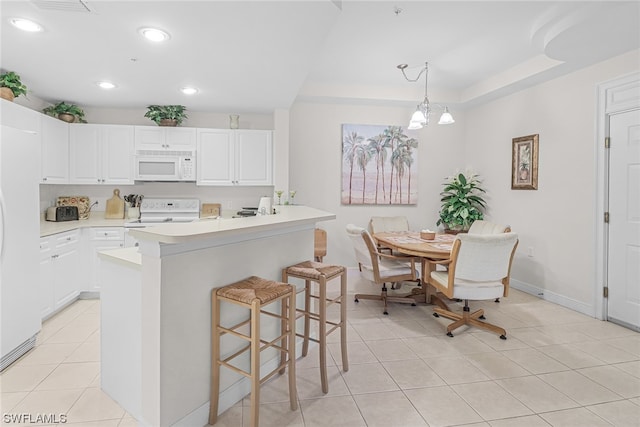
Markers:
(524, 162)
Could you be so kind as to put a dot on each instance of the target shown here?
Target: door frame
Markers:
(613, 96)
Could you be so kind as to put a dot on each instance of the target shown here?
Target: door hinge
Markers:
(607, 142)
(606, 217)
(605, 292)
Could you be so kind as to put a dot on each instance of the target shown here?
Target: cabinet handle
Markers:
(44, 179)
(68, 239)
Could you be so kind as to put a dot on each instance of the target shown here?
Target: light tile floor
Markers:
(557, 368)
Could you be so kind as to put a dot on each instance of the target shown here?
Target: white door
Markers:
(624, 219)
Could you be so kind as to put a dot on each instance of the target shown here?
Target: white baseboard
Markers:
(553, 297)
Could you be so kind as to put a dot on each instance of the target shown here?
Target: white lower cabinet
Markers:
(69, 264)
(60, 270)
(102, 239)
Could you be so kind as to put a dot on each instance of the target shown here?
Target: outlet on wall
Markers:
(530, 251)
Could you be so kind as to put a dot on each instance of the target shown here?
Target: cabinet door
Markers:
(215, 158)
(149, 138)
(180, 139)
(65, 272)
(85, 155)
(46, 278)
(254, 157)
(117, 154)
(55, 151)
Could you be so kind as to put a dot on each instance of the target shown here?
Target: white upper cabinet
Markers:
(165, 138)
(214, 162)
(55, 151)
(101, 154)
(254, 157)
(234, 157)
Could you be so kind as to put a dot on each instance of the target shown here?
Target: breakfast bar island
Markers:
(156, 308)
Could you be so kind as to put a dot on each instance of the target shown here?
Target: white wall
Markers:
(316, 163)
(558, 221)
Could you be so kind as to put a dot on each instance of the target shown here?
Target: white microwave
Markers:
(165, 166)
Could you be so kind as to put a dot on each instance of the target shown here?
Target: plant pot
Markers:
(6, 93)
(66, 117)
(168, 122)
(448, 230)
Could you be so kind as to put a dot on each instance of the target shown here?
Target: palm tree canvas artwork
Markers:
(379, 165)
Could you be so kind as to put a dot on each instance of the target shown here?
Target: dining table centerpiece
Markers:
(462, 202)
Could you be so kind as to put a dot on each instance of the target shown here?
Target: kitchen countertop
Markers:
(126, 256)
(96, 219)
(226, 227)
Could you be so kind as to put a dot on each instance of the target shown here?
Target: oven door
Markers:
(157, 168)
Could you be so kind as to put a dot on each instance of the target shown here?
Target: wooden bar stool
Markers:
(320, 273)
(254, 293)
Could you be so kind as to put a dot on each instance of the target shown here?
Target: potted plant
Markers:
(11, 86)
(462, 203)
(69, 113)
(166, 115)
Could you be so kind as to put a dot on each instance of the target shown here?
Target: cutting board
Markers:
(115, 206)
(209, 209)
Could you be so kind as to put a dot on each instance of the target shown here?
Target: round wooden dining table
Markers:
(410, 243)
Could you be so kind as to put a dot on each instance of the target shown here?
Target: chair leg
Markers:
(343, 321)
(307, 319)
(322, 335)
(255, 364)
(468, 318)
(215, 356)
(291, 349)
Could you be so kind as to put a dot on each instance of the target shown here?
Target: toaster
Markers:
(62, 213)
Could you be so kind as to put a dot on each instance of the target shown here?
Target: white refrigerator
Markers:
(19, 241)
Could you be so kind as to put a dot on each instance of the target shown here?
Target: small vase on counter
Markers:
(234, 121)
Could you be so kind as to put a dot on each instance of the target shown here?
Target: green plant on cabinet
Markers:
(164, 114)
(64, 110)
(12, 82)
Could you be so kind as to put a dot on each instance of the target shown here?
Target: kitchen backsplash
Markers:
(229, 197)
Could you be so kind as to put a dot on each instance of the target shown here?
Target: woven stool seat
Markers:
(248, 290)
(314, 270)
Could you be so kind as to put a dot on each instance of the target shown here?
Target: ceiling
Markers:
(256, 56)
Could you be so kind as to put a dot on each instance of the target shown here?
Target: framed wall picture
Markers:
(524, 163)
(379, 165)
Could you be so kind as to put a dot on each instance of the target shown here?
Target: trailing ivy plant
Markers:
(462, 203)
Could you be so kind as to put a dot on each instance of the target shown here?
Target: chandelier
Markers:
(420, 117)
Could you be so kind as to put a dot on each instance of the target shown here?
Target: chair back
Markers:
(363, 256)
(483, 257)
(487, 227)
(380, 224)
(319, 244)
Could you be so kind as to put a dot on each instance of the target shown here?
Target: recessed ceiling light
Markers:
(189, 90)
(26, 25)
(106, 85)
(154, 34)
